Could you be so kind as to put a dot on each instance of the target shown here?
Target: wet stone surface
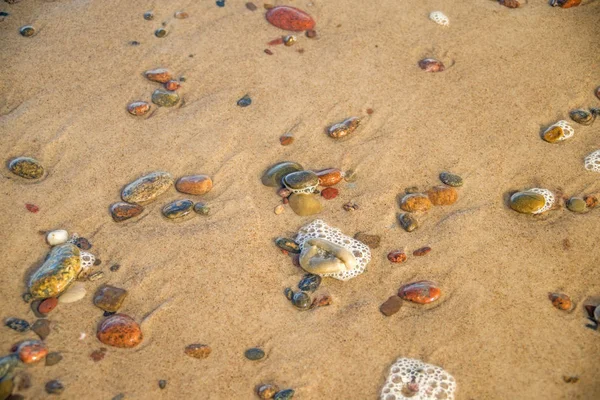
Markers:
(26, 167)
(254, 354)
(178, 209)
(17, 324)
(309, 283)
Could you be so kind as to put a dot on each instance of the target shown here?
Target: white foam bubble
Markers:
(592, 161)
(415, 380)
(567, 129)
(439, 18)
(548, 196)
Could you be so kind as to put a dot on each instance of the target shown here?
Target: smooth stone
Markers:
(527, 202)
(286, 139)
(27, 31)
(300, 180)
(120, 330)
(577, 204)
(178, 209)
(554, 134)
(110, 298)
(7, 366)
(138, 108)
(290, 19)
(267, 391)
(82, 243)
(31, 351)
(165, 98)
(74, 293)
(17, 324)
(343, 128)
(329, 193)
(320, 256)
(583, 117)
(304, 204)
(421, 292)
(41, 327)
(53, 359)
(161, 75)
(160, 32)
(272, 176)
(26, 167)
(422, 251)
(560, 301)
(289, 293)
(431, 65)
(122, 211)
(59, 236)
(442, 195)
(194, 184)
(172, 85)
(198, 350)
(56, 274)
(147, 188)
(329, 176)
(162, 383)
(391, 306)
(254, 354)
(408, 222)
(373, 241)
(148, 15)
(286, 394)
(201, 208)
(301, 300)
(287, 245)
(415, 202)
(244, 101)
(451, 179)
(397, 256)
(309, 283)
(47, 305)
(54, 387)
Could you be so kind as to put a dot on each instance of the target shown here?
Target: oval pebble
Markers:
(304, 204)
(560, 301)
(165, 98)
(408, 222)
(301, 300)
(17, 324)
(201, 208)
(26, 167)
(415, 202)
(421, 292)
(27, 31)
(138, 108)
(178, 209)
(31, 351)
(267, 391)
(198, 350)
(160, 75)
(397, 256)
(442, 195)
(56, 237)
(48, 305)
(329, 176)
(122, 211)
(284, 394)
(120, 330)
(254, 354)
(527, 202)
(288, 245)
(290, 18)
(147, 188)
(577, 205)
(309, 283)
(451, 179)
(194, 184)
(329, 193)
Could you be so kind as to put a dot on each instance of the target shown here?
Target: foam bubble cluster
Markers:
(567, 129)
(320, 230)
(439, 18)
(87, 259)
(548, 196)
(415, 380)
(592, 161)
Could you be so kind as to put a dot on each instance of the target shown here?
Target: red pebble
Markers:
(285, 252)
(397, 256)
(275, 42)
(330, 193)
(290, 18)
(47, 305)
(32, 208)
(421, 292)
(422, 251)
(172, 85)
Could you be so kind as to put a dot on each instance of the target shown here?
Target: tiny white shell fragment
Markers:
(592, 161)
(439, 18)
(75, 293)
(56, 237)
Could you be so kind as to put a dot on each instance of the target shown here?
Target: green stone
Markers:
(301, 180)
(7, 366)
(527, 202)
(201, 208)
(178, 209)
(165, 98)
(304, 204)
(577, 204)
(272, 176)
(451, 179)
(147, 188)
(27, 31)
(284, 394)
(160, 32)
(53, 359)
(288, 245)
(26, 167)
(408, 222)
(254, 354)
(289, 293)
(301, 300)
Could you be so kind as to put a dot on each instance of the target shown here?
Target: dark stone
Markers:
(162, 384)
(221, 3)
(309, 283)
(244, 101)
(97, 262)
(53, 358)
(109, 313)
(35, 305)
(178, 209)
(301, 300)
(284, 394)
(391, 306)
(160, 33)
(122, 211)
(54, 387)
(16, 324)
(7, 366)
(148, 15)
(451, 179)
(287, 245)
(110, 298)
(201, 208)
(289, 293)
(254, 354)
(42, 328)
(408, 222)
(83, 243)
(115, 267)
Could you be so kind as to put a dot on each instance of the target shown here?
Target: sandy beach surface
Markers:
(219, 279)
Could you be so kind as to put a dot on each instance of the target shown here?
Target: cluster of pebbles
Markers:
(289, 19)
(166, 96)
(161, 32)
(148, 188)
(563, 302)
(539, 201)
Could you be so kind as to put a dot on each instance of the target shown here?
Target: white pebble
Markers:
(75, 293)
(59, 236)
(439, 18)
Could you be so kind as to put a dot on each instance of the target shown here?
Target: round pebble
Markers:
(421, 292)
(194, 184)
(408, 222)
(301, 300)
(162, 384)
(54, 387)
(442, 195)
(279, 209)
(431, 65)
(48, 305)
(165, 98)
(415, 202)
(577, 205)
(27, 31)
(309, 283)
(41, 327)
(391, 306)
(301, 180)
(148, 15)
(284, 394)
(286, 139)
(26, 167)
(304, 204)
(201, 208)
(31, 351)
(451, 179)
(138, 108)
(527, 202)
(254, 354)
(397, 256)
(198, 350)
(290, 18)
(289, 40)
(172, 85)
(244, 101)
(17, 324)
(120, 330)
(272, 176)
(267, 391)
(160, 32)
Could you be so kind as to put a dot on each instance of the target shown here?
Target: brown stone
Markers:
(286, 139)
(251, 6)
(560, 301)
(198, 350)
(442, 195)
(194, 184)
(373, 241)
(421, 292)
(311, 33)
(122, 211)
(120, 330)
(290, 18)
(422, 251)
(431, 65)
(138, 108)
(269, 52)
(181, 15)
(329, 193)
(172, 85)
(592, 200)
(391, 306)
(110, 298)
(48, 305)
(31, 351)
(322, 300)
(329, 176)
(161, 75)
(510, 3)
(397, 256)
(415, 202)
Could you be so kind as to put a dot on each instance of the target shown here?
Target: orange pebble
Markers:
(32, 351)
(47, 305)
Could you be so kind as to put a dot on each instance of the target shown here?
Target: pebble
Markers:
(329, 176)
(147, 188)
(54, 387)
(17, 324)
(122, 211)
(451, 179)
(197, 350)
(32, 208)
(95, 276)
(289, 293)
(161, 75)
(120, 330)
(397, 256)
(343, 128)
(172, 85)
(284, 394)
(160, 32)
(373, 241)
(350, 175)
(138, 108)
(254, 354)
(181, 15)
(422, 251)
(415, 202)
(41, 327)
(82, 243)
(57, 237)
(115, 267)
(560, 301)
(442, 195)
(565, 3)
(279, 209)
(53, 359)
(201, 208)
(350, 206)
(162, 384)
(527, 202)
(194, 184)
(251, 6)
(289, 40)
(301, 301)
(510, 3)
(27, 31)
(591, 200)
(431, 65)
(329, 193)
(290, 19)
(110, 298)
(267, 391)
(220, 3)
(74, 293)
(408, 222)
(391, 306)
(148, 15)
(558, 132)
(269, 52)
(287, 245)
(244, 101)
(421, 292)
(7, 366)
(26, 167)
(98, 355)
(577, 204)
(301, 181)
(31, 351)
(311, 33)
(178, 209)
(286, 139)
(304, 204)
(322, 300)
(165, 98)
(47, 305)
(272, 176)
(309, 283)
(583, 117)
(59, 270)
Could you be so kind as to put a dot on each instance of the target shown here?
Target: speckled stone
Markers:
(309, 283)
(408, 222)
(272, 176)
(31, 351)
(267, 391)
(451, 179)
(20, 325)
(201, 208)
(421, 292)
(147, 188)
(254, 354)
(442, 195)
(287, 245)
(194, 184)
(178, 209)
(120, 330)
(329, 176)
(161, 75)
(27, 31)
(165, 98)
(26, 167)
(110, 298)
(198, 350)
(122, 211)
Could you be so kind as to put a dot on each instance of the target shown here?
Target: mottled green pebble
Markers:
(201, 209)
(287, 245)
(26, 167)
(178, 209)
(451, 179)
(289, 293)
(408, 222)
(254, 354)
(301, 300)
(27, 31)
(284, 394)
(577, 204)
(165, 98)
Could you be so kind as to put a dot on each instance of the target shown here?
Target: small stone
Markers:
(442, 195)
(27, 31)
(201, 208)
(290, 19)
(96, 276)
(273, 176)
(288, 245)
(570, 379)
(165, 98)
(301, 181)
(329, 176)
(197, 350)
(34, 307)
(138, 108)
(220, 3)
(98, 355)
(181, 15)
(26, 167)
(554, 134)
(162, 384)
(560, 301)
(510, 3)
(148, 15)
(279, 209)
(397, 256)
(26, 297)
(565, 3)
(372, 241)
(194, 184)
(53, 359)
(54, 387)
(32, 208)
(289, 293)
(251, 6)
(17, 324)
(161, 75)
(408, 222)
(178, 209)
(269, 52)
(284, 394)
(48, 305)
(286, 139)
(577, 205)
(147, 188)
(343, 128)
(431, 65)
(422, 251)
(74, 293)
(266, 391)
(284, 192)
(309, 283)
(41, 327)
(329, 193)
(451, 179)
(82, 243)
(120, 330)
(254, 354)
(56, 237)
(160, 33)
(110, 298)
(289, 40)
(122, 211)
(172, 85)
(527, 202)
(134, 43)
(285, 200)
(301, 300)
(350, 175)
(322, 300)
(31, 351)
(421, 292)
(415, 202)
(244, 101)
(391, 306)
(304, 204)
(115, 267)
(311, 33)
(350, 206)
